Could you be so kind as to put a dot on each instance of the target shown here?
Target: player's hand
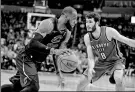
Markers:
(52, 51)
(91, 71)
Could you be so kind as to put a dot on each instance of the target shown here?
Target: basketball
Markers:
(67, 62)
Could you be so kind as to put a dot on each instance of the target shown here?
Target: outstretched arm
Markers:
(116, 35)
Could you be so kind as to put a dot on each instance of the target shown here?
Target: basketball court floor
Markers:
(48, 82)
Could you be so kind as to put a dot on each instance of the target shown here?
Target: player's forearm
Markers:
(131, 43)
(36, 44)
(91, 63)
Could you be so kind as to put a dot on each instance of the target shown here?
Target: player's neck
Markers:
(97, 32)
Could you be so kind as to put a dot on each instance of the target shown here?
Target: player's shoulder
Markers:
(46, 22)
(46, 26)
(110, 29)
(86, 37)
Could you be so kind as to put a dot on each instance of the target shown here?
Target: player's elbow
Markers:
(32, 43)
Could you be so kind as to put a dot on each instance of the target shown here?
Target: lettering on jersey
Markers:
(57, 39)
(100, 47)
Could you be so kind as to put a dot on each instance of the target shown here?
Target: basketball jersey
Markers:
(104, 49)
(52, 40)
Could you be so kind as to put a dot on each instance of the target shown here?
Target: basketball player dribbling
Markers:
(101, 43)
(50, 37)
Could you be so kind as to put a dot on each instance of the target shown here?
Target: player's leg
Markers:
(118, 75)
(7, 88)
(15, 79)
(100, 69)
(15, 86)
(83, 83)
(28, 74)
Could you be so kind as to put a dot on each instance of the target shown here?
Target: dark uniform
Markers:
(29, 56)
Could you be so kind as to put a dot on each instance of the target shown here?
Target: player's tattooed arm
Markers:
(64, 43)
(44, 28)
(116, 35)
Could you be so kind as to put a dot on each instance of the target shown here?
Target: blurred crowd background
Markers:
(15, 35)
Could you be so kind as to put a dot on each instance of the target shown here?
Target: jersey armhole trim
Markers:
(90, 37)
(106, 34)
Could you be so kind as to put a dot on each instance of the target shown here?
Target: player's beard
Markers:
(93, 28)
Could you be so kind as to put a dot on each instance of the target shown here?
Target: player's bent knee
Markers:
(118, 76)
(33, 87)
(7, 88)
(29, 89)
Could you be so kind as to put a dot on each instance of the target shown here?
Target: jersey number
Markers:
(103, 55)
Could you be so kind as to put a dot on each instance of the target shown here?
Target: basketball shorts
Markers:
(27, 69)
(104, 67)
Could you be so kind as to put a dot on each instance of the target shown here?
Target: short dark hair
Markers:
(68, 10)
(94, 15)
